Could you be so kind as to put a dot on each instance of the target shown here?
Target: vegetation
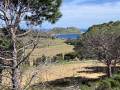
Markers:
(58, 58)
(69, 30)
(13, 12)
(70, 41)
(70, 56)
(107, 84)
(39, 60)
(101, 42)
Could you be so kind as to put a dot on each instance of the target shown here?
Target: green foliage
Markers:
(69, 30)
(39, 60)
(110, 84)
(117, 78)
(114, 83)
(58, 58)
(92, 84)
(80, 50)
(85, 87)
(70, 41)
(70, 56)
(4, 41)
(45, 10)
(104, 85)
(107, 84)
(89, 45)
(116, 88)
(42, 10)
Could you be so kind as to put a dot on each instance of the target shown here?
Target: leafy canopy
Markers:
(33, 11)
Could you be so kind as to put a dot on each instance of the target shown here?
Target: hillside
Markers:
(69, 30)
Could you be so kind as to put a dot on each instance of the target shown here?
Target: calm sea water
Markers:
(72, 36)
(66, 36)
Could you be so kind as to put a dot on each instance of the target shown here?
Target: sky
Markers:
(85, 13)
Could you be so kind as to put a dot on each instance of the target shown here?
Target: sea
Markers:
(66, 36)
(72, 36)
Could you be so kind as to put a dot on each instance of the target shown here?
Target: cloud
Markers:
(87, 14)
(73, 2)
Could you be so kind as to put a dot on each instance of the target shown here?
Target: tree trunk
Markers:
(15, 79)
(0, 76)
(15, 70)
(114, 67)
(109, 73)
(0, 72)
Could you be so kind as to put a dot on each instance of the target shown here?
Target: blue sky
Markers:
(85, 13)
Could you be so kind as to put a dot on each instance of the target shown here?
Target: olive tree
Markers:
(33, 13)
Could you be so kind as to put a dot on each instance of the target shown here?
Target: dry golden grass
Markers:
(71, 70)
(54, 72)
(51, 73)
(51, 51)
(49, 47)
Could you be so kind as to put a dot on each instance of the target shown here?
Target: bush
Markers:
(58, 58)
(70, 56)
(117, 78)
(110, 84)
(84, 87)
(92, 84)
(39, 60)
(114, 83)
(104, 85)
(70, 41)
(116, 88)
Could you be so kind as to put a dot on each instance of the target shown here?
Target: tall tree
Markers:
(103, 41)
(33, 13)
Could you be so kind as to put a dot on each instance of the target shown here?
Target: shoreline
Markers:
(65, 34)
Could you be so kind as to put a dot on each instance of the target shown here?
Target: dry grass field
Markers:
(87, 69)
(68, 71)
(50, 48)
(75, 69)
(51, 51)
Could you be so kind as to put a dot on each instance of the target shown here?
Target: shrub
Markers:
(104, 85)
(70, 41)
(84, 87)
(39, 60)
(117, 78)
(92, 84)
(109, 84)
(116, 88)
(58, 58)
(114, 83)
(53, 37)
(70, 56)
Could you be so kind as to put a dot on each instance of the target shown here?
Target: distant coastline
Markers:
(62, 31)
(66, 36)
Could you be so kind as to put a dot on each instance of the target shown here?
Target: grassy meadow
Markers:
(50, 48)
